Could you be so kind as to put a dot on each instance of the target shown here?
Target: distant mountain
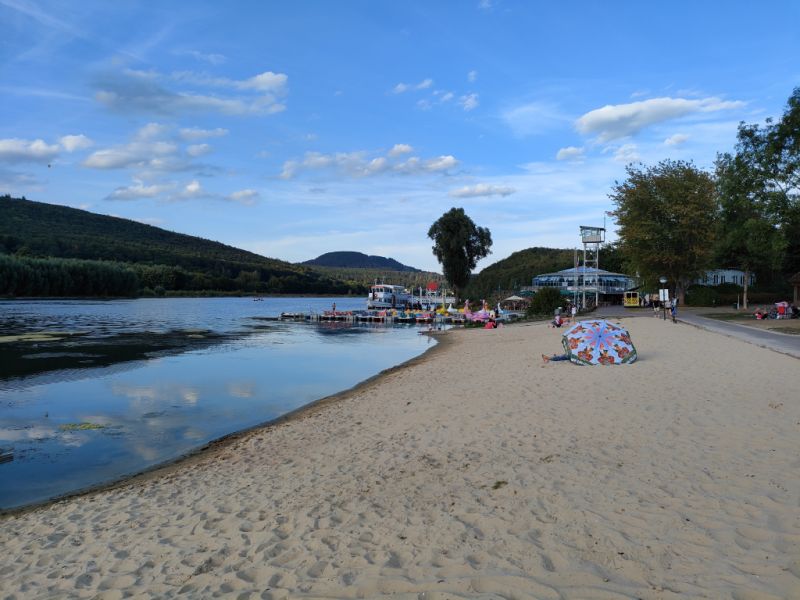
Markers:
(358, 260)
(160, 259)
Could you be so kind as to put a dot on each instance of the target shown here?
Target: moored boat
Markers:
(384, 296)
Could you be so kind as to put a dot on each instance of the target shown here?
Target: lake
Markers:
(92, 391)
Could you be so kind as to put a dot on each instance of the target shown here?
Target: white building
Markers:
(717, 276)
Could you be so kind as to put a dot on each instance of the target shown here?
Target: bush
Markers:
(701, 295)
(545, 302)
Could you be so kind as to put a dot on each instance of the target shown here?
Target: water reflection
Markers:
(60, 433)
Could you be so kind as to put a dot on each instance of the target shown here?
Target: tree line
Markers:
(23, 276)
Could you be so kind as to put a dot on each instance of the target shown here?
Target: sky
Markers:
(292, 129)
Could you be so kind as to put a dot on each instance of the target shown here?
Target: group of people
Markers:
(669, 305)
(558, 318)
(780, 310)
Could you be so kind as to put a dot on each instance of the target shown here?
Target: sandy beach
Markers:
(475, 471)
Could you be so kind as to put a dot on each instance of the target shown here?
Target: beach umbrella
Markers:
(598, 341)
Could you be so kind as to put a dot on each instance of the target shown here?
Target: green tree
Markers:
(458, 246)
(747, 234)
(771, 156)
(545, 302)
(666, 217)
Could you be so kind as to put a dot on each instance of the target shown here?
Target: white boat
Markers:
(432, 299)
(383, 295)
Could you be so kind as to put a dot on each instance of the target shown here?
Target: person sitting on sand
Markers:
(555, 357)
(557, 321)
(490, 324)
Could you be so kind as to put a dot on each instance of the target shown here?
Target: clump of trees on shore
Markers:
(25, 276)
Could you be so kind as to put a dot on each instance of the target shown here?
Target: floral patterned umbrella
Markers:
(598, 342)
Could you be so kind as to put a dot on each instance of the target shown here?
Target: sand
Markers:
(473, 472)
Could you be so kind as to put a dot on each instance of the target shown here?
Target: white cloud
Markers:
(198, 150)
(135, 154)
(151, 131)
(360, 164)
(446, 97)
(676, 140)
(424, 104)
(152, 150)
(139, 190)
(17, 150)
(247, 197)
(71, 143)
(482, 189)
(616, 121)
(472, 76)
(193, 188)
(142, 91)
(570, 153)
(214, 59)
(534, 118)
(627, 153)
(441, 163)
(144, 150)
(399, 149)
(195, 133)
(264, 82)
(401, 88)
(469, 102)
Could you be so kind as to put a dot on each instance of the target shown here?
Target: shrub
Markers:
(701, 295)
(545, 302)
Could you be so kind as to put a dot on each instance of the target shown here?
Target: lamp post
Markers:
(662, 293)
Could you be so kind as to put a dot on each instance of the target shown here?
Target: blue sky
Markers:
(297, 128)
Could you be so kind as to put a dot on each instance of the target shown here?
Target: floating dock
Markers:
(387, 317)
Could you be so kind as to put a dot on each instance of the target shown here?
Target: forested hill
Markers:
(358, 260)
(518, 270)
(160, 258)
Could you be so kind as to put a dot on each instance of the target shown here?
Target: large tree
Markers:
(748, 237)
(769, 154)
(666, 217)
(458, 245)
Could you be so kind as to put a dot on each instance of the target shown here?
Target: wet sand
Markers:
(473, 472)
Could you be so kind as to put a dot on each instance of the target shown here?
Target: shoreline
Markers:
(210, 449)
(471, 471)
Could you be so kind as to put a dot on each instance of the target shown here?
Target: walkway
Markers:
(779, 342)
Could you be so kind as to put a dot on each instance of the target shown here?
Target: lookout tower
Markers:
(591, 237)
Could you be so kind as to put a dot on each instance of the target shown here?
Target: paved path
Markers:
(779, 342)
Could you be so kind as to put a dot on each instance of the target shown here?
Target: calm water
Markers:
(133, 383)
